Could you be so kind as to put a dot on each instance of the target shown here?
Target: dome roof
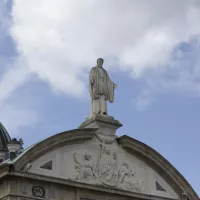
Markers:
(4, 138)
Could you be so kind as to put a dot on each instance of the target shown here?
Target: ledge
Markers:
(85, 186)
(102, 119)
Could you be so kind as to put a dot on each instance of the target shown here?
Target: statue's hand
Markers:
(115, 85)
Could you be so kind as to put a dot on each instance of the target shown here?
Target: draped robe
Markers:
(101, 90)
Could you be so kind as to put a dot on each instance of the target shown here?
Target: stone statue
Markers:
(101, 89)
(88, 170)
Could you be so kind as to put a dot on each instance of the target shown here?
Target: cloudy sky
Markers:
(151, 50)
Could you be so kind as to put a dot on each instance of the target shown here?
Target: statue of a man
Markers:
(101, 89)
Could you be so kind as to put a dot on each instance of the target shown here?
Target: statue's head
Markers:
(87, 156)
(100, 62)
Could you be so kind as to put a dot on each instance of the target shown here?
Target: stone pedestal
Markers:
(106, 125)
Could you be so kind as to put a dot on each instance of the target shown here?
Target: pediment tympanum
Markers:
(104, 163)
(95, 156)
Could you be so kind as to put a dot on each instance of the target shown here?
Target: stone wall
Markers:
(4, 189)
(15, 189)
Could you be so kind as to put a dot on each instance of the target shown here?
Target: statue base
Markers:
(106, 125)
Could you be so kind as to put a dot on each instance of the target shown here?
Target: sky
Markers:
(150, 49)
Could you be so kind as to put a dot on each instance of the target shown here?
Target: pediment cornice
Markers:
(158, 162)
(61, 139)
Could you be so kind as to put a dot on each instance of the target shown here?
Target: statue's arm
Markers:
(114, 84)
(92, 79)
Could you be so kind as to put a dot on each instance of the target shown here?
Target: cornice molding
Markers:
(79, 185)
(158, 162)
(53, 142)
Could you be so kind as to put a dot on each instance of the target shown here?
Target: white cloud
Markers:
(59, 41)
(62, 39)
(181, 75)
(15, 111)
(11, 80)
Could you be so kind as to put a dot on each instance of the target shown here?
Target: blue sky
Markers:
(151, 51)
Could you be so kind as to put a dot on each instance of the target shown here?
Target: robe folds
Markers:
(102, 89)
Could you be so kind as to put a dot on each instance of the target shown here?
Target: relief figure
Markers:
(84, 171)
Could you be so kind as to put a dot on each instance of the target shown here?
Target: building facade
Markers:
(88, 163)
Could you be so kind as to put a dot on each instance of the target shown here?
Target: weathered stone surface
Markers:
(65, 138)
(96, 162)
(87, 158)
(106, 125)
(101, 89)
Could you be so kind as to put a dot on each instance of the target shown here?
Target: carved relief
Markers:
(38, 191)
(128, 180)
(84, 171)
(107, 164)
(105, 138)
(106, 171)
